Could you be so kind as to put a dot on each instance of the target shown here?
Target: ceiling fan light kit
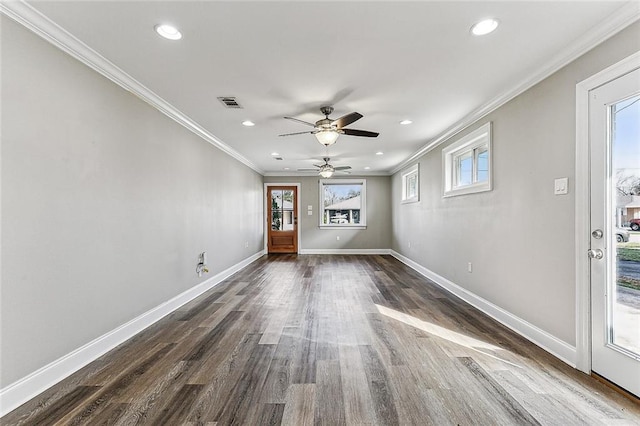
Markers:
(327, 137)
(326, 172)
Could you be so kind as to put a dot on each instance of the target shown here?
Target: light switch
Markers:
(309, 213)
(309, 207)
(561, 186)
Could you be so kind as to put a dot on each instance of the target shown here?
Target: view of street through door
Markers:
(625, 133)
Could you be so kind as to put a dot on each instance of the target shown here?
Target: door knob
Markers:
(595, 254)
(597, 234)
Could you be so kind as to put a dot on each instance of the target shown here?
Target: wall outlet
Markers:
(469, 267)
(201, 267)
(409, 244)
(338, 238)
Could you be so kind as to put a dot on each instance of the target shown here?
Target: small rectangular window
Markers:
(467, 163)
(411, 185)
(343, 203)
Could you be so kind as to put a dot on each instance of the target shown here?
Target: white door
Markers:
(614, 135)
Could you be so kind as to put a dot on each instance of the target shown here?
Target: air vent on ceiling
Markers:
(229, 102)
(278, 158)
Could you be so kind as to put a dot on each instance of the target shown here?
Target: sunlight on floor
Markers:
(444, 333)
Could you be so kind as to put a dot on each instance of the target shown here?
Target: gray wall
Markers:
(106, 204)
(519, 237)
(378, 232)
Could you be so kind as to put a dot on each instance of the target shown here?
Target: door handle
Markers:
(595, 254)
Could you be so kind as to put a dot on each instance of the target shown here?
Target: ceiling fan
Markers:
(327, 129)
(326, 170)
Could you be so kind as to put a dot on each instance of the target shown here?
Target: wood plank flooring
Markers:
(327, 340)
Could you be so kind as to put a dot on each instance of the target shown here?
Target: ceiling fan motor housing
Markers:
(326, 110)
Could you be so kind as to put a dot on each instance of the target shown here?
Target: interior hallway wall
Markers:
(106, 204)
(519, 237)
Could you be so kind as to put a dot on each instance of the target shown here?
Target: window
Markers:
(410, 185)
(343, 203)
(467, 163)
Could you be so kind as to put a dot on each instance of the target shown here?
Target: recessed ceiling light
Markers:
(168, 32)
(274, 154)
(285, 168)
(248, 123)
(406, 122)
(367, 168)
(379, 153)
(484, 27)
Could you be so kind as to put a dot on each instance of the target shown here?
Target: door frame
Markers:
(265, 219)
(582, 200)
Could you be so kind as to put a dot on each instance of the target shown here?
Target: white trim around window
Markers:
(349, 217)
(466, 164)
(411, 185)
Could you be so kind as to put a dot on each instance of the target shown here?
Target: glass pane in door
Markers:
(276, 220)
(276, 209)
(624, 283)
(287, 220)
(287, 210)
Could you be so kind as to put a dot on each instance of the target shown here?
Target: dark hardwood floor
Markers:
(357, 340)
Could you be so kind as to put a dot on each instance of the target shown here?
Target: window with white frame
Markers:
(343, 203)
(466, 163)
(411, 185)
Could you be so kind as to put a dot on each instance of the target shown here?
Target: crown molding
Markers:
(608, 27)
(44, 27)
(338, 175)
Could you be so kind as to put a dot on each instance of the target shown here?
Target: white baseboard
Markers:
(21, 391)
(546, 341)
(344, 251)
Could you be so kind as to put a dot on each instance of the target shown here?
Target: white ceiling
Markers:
(386, 60)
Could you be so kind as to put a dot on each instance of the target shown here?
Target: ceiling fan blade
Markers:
(307, 170)
(296, 133)
(354, 132)
(301, 121)
(341, 168)
(345, 120)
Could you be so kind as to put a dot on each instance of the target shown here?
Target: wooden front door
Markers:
(282, 219)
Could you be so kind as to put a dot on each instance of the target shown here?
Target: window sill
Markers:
(343, 227)
(410, 200)
(469, 189)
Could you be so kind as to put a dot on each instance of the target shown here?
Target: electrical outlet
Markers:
(338, 238)
(201, 267)
(469, 267)
(409, 244)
